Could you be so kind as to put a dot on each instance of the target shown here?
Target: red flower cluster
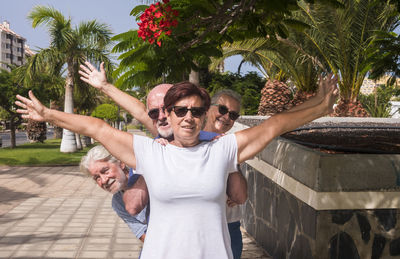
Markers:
(157, 21)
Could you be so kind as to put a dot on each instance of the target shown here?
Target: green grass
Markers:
(132, 126)
(47, 153)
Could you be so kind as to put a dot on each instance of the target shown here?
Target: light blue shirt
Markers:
(137, 223)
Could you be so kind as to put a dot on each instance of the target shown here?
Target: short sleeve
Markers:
(137, 224)
(141, 146)
(230, 148)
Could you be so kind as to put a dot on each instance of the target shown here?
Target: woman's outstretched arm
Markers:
(118, 143)
(252, 140)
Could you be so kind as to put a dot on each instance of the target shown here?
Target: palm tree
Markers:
(69, 46)
(338, 40)
(343, 39)
(50, 86)
(280, 63)
(385, 58)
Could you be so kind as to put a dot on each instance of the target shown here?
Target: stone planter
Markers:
(304, 203)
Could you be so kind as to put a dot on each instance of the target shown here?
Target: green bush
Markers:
(248, 86)
(106, 111)
(378, 104)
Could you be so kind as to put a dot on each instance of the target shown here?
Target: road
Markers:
(20, 137)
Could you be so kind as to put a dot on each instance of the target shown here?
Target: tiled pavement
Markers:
(56, 212)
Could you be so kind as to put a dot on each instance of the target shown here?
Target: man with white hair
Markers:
(114, 176)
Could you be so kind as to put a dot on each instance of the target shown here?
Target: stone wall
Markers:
(280, 223)
(289, 228)
(307, 204)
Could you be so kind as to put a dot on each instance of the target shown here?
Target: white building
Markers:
(395, 112)
(13, 49)
(368, 86)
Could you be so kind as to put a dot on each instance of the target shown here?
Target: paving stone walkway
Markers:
(56, 212)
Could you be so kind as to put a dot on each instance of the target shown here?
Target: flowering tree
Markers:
(157, 21)
(179, 36)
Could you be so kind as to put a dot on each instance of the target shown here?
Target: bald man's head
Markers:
(155, 105)
(158, 91)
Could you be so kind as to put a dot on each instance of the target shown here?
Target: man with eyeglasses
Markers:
(113, 176)
(156, 122)
(224, 110)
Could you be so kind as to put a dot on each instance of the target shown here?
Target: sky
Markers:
(115, 13)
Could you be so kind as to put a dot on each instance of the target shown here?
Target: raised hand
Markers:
(325, 85)
(331, 91)
(31, 108)
(89, 74)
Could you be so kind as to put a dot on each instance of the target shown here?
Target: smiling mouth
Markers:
(109, 183)
(224, 122)
(188, 127)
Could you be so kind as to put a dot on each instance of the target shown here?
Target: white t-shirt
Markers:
(187, 188)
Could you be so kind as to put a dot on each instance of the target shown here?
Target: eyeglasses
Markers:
(222, 109)
(181, 111)
(154, 113)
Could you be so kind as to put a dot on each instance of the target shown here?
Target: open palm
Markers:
(31, 108)
(89, 74)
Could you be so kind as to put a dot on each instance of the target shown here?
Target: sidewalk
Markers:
(56, 212)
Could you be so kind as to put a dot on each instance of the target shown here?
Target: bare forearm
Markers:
(253, 140)
(282, 123)
(131, 104)
(237, 188)
(313, 101)
(137, 197)
(118, 143)
(98, 79)
(84, 125)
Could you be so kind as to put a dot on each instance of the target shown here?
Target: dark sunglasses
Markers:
(181, 111)
(154, 113)
(222, 109)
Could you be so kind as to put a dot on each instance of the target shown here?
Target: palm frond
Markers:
(94, 33)
(58, 26)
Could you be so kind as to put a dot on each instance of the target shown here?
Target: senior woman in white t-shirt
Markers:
(186, 178)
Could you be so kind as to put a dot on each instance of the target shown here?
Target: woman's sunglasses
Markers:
(222, 109)
(181, 111)
(154, 113)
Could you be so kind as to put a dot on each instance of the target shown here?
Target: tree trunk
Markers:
(194, 77)
(78, 141)
(275, 98)
(57, 133)
(301, 96)
(346, 108)
(86, 141)
(118, 121)
(36, 131)
(68, 142)
(13, 143)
